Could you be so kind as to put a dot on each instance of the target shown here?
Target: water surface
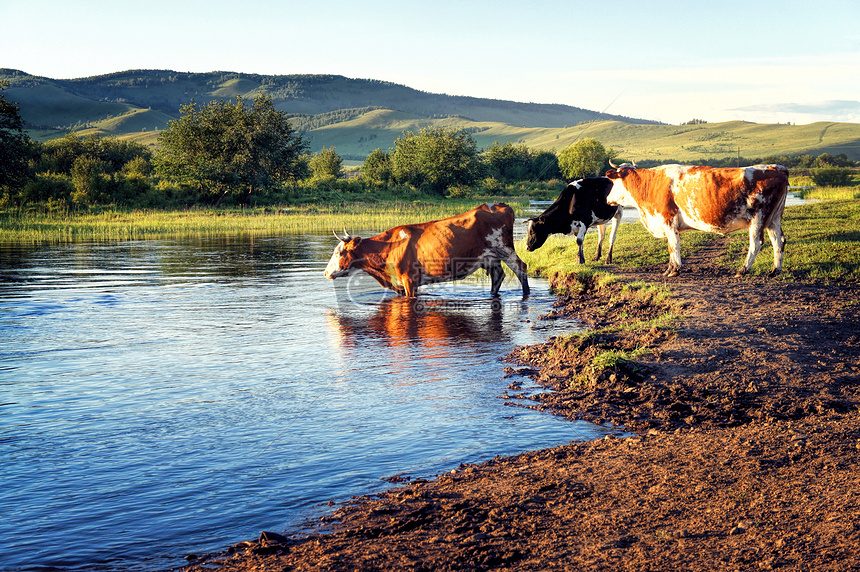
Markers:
(160, 398)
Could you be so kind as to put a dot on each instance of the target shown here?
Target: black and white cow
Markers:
(581, 205)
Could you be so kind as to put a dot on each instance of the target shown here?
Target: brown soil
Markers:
(743, 452)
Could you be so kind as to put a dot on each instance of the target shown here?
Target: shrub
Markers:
(460, 192)
(47, 187)
(832, 177)
(377, 169)
(326, 163)
(491, 186)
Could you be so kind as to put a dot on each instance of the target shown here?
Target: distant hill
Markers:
(356, 115)
(357, 136)
(166, 91)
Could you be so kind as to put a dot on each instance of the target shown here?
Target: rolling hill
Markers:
(356, 116)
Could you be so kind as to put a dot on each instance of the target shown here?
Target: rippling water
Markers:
(160, 398)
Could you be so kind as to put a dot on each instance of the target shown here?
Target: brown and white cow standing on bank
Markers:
(406, 257)
(675, 198)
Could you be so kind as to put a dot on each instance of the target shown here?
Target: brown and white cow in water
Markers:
(675, 198)
(409, 256)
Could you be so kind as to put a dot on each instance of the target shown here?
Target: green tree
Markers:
(91, 179)
(832, 177)
(377, 169)
(16, 148)
(137, 167)
(437, 157)
(822, 161)
(805, 161)
(584, 158)
(58, 155)
(545, 166)
(509, 162)
(326, 163)
(227, 146)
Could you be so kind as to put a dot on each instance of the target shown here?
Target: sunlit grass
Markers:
(829, 193)
(823, 236)
(823, 244)
(138, 225)
(634, 247)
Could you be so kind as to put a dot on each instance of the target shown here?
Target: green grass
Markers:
(830, 193)
(634, 247)
(823, 236)
(113, 225)
(823, 244)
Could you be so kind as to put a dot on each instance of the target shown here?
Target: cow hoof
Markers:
(774, 272)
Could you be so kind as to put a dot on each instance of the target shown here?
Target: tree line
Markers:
(240, 152)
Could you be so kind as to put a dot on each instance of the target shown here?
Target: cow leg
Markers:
(756, 240)
(777, 239)
(616, 222)
(673, 237)
(509, 255)
(497, 275)
(601, 234)
(409, 289)
(580, 238)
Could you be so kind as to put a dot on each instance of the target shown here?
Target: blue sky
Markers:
(764, 61)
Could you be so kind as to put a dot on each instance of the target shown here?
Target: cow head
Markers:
(343, 256)
(618, 194)
(536, 234)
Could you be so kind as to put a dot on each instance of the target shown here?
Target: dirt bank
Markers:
(745, 454)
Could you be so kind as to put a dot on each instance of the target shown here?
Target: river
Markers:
(166, 397)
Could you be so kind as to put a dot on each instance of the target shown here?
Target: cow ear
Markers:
(351, 242)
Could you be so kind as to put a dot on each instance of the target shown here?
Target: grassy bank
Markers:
(111, 225)
(823, 243)
(823, 236)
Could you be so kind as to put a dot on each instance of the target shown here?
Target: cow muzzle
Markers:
(333, 270)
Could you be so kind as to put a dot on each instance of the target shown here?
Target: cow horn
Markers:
(334, 232)
(613, 165)
(346, 234)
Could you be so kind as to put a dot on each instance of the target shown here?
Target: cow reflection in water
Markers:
(440, 325)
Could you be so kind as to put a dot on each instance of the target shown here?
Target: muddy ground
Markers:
(743, 454)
